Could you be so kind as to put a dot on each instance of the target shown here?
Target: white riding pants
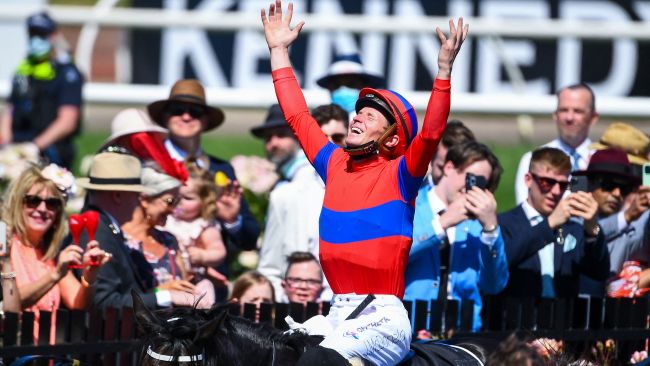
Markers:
(381, 333)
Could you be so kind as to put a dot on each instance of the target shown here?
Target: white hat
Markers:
(130, 121)
(350, 65)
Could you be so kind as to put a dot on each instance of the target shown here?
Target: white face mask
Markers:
(39, 47)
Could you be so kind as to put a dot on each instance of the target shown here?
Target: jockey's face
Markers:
(368, 125)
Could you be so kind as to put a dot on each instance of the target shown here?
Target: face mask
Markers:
(38, 47)
(346, 98)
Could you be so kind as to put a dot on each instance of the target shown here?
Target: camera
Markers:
(472, 180)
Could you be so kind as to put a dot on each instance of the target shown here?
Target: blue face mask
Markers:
(346, 98)
(38, 47)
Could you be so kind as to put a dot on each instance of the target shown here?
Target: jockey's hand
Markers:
(277, 31)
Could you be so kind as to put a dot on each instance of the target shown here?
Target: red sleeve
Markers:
(292, 101)
(420, 152)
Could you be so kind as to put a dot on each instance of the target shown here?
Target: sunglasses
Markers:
(546, 184)
(52, 204)
(180, 109)
(608, 185)
(337, 138)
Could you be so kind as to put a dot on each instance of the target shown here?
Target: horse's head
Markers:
(179, 336)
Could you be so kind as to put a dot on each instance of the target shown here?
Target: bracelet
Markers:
(490, 230)
(85, 283)
(7, 275)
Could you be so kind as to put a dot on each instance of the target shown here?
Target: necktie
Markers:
(575, 159)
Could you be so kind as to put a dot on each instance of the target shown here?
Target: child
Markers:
(197, 231)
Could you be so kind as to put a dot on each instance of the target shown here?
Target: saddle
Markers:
(444, 353)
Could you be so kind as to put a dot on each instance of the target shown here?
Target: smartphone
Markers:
(472, 180)
(3, 239)
(646, 174)
(579, 183)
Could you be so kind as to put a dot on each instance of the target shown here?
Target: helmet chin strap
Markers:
(372, 147)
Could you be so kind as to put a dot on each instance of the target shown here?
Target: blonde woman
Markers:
(34, 212)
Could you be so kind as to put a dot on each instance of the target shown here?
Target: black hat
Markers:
(41, 22)
(274, 119)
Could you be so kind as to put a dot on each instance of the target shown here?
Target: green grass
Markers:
(228, 146)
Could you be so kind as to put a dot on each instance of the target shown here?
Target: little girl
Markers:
(198, 233)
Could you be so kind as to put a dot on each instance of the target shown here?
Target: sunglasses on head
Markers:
(608, 185)
(546, 184)
(180, 109)
(52, 204)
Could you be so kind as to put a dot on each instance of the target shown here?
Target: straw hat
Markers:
(186, 91)
(114, 172)
(626, 137)
(130, 121)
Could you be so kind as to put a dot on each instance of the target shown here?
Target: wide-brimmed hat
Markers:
(610, 162)
(274, 119)
(186, 91)
(350, 65)
(114, 172)
(130, 121)
(626, 137)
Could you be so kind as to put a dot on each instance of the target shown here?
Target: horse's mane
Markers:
(238, 334)
(221, 338)
(177, 332)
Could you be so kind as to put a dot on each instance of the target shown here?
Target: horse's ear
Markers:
(208, 329)
(147, 321)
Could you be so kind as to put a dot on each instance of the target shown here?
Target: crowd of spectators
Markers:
(169, 213)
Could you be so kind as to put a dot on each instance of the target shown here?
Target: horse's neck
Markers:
(268, 346)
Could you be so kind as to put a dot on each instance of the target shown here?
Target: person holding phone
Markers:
(550, 240)
(610, 179)
(455, 228)
(34, 210)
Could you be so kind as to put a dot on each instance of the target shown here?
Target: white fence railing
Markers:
(116, 93)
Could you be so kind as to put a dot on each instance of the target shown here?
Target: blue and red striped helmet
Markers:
(397, 110)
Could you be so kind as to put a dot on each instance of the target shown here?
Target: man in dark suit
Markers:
(113, 189)
(550, 239)
(186, 115)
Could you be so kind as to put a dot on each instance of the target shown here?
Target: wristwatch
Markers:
(489, 230)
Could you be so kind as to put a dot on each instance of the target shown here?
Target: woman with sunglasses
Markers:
(34, 215)
(158, 247)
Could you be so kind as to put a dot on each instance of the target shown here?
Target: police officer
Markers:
(44, 107)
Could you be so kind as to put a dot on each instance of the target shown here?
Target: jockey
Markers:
(366, 222)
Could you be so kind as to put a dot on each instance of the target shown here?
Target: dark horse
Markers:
(186, 336)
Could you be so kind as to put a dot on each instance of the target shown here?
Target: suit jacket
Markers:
(628, 244)
(579, 255)
(474, 265)
(246, 237)
(128, 269)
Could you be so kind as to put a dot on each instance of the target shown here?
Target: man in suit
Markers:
(611, 181)
(574, 116)
(187, 116)
(457, 229)
(551, 240)
(113, 188)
